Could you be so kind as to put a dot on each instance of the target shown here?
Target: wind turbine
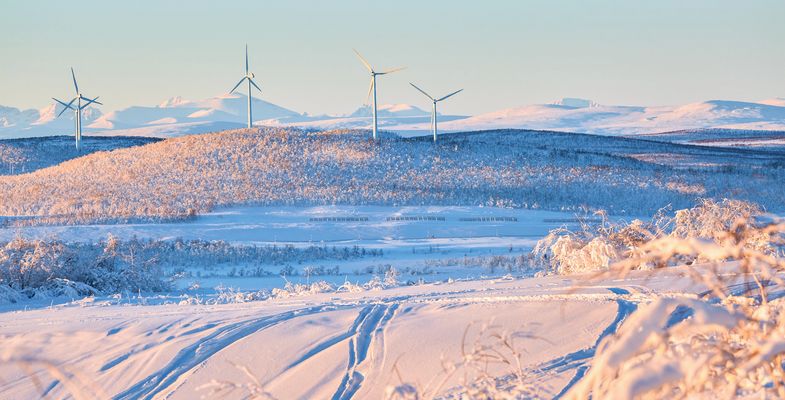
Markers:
(433, 114)
(78, 110)
(248, 77)
(372, 88)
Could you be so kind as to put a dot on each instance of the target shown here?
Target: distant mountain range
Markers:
(176, 116)
(629, 120)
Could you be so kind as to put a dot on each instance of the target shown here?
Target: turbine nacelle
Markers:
(434, 100)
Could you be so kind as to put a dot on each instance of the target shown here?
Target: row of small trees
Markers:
(113, 265)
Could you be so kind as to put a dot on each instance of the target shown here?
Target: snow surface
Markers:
(128, 349)
(301, 226)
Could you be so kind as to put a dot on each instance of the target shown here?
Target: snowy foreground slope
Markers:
(692, 304)
(335, 345)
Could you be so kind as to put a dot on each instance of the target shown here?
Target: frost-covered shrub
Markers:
(227, 295)
(521, 263)
(349, 287)
(301, 289)
(32, 263)
(596, 246)
(727, 343)
(41, 268)
(391, 277)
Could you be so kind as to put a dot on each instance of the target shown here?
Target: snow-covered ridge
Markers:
(177, 116)
(590, 117)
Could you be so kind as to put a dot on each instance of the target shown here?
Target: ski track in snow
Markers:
(369, 324)
(195, 354)
(580, 359)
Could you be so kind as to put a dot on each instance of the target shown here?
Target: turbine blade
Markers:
(254, 84)
(367, 65)
(246, 59)
(453, 93)
(91, 101)
(370, 89)
(421, 91)
(74, 76)
(390, 71)
(238, 84)
(65, 106)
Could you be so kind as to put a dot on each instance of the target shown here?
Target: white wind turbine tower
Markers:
(433, 113)
(78, 110)
(248, 77)
(372, 88)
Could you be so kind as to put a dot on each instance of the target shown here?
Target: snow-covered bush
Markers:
(596, 246)
(52, 268)
(522, 263)
(727, 343)
(301, 289)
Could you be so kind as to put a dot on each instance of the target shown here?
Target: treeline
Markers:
(52, 268)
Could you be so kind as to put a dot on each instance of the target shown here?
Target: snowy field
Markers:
(371, 226)
(337, 345)
(423, 243)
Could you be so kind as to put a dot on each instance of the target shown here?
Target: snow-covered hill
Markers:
(523, 169)
(19, 156)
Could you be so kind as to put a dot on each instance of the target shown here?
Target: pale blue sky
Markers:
(504, 53)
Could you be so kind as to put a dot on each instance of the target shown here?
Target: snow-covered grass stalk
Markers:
(252, 388)
(74, 383)
(491, 366)
(726, 343)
